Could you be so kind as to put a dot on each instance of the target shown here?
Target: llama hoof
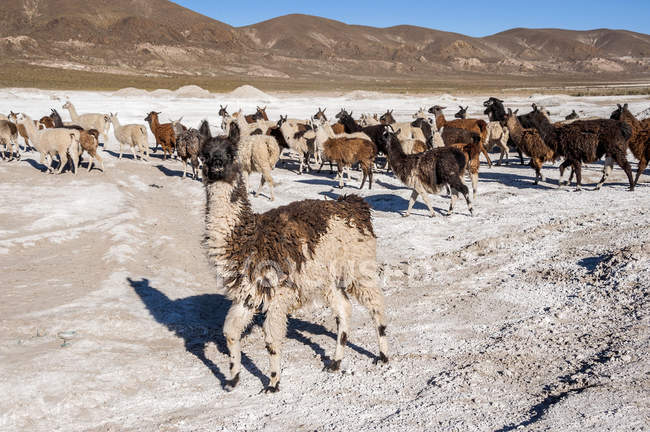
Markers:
(382, 358)
(334, 366)
(231, 384)
(272, 389)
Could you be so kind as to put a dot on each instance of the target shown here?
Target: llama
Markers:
(472, 151)
(52, 142)
(255, 153)
(21, 129)
(9, 138)
(530, 142)
(573, 116)
(498, 135)
(462, 113)
(188, 146)
(369, 120)
(639, 142)
(427, 172)
(345, 151)
(407, 130)
(278, 261)
(88, 140)
(164, 133)
(586, 141)
(298, 142)
(474, 125)
(101, 122)
(131, 135)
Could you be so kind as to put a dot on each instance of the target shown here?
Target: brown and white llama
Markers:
(425, 173)
(278, 261)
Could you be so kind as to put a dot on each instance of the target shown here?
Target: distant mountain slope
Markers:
(160, 37)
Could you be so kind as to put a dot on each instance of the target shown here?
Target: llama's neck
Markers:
(396, 157)
(227, 207)
(440, 121)
(116, 124)
(244, 128)
(73, 112)
(516, 130)
(31, 130)
(628, 118)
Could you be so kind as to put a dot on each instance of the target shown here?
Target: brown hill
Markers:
(159, 37)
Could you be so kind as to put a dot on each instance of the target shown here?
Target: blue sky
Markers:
(474, 18)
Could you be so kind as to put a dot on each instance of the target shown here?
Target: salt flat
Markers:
(532, 314)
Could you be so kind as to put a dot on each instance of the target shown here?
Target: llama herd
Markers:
(278, 261)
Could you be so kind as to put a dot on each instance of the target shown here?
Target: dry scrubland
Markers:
(533, 315)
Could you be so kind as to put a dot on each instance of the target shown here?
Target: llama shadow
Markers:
(43, 167)
(116, 155)
(170, 172)
(391, 186)
(199, 320)
(388, 203)
(515, 180)
(322, 182)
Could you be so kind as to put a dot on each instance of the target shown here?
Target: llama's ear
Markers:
(516, 111)
(351, 113)
(467, 107)
(619, 106)
(625, 106)
(509, 111)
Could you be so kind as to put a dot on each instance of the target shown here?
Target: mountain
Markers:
(158, 37)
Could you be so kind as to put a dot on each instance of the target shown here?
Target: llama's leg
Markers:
(607, 170)
(423, 194)
(486, 154)
(369, 295)
(458, 185)
(536, 165)
(621, 160)
(365, 174)
(63, 161)
(475, 184)
(369, 169)
(643, 163)
(452, 194)
(563, 167)
(135, 156)
(340, 167)
(239, 316)
(275, 330)
(577, 167)
(121, 150)
(99, 159)
(185, 169)
(521, 155)
(414, 196)
(343, 310)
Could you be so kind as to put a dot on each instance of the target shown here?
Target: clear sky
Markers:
(473, 18)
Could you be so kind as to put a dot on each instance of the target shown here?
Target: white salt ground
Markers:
(533, 315)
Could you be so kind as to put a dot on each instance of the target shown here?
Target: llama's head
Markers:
(436, 110)
(320, 115)
(511, 120)
(282, 121)
(219, 157)
(420, 114)
(13, 116)
(152, 116)
(56, 118)
(619, 113)
(462, 114)
(492, 101)
(387, 134)
(387, 118)
(223, 111)
(67, 105)
(341, 113)
(260, 114)
(542, 110)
